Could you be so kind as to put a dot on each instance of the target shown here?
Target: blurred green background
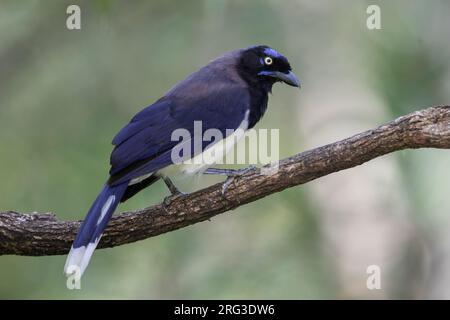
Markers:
(64, 94)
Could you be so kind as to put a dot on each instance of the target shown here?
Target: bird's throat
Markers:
(258, 105)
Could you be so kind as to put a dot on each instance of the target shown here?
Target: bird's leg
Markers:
(230, 173)
(173, 190)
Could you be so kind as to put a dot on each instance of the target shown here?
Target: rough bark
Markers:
(43, 234)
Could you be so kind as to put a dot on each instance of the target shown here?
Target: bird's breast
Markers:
(258, 105)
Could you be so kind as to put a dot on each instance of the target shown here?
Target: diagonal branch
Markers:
(44, 234)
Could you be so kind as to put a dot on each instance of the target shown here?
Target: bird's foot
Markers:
(175, 193)
(226, 184)
(231, 175)
(170, 198)
(229, 172)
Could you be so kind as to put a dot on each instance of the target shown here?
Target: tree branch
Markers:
(44, 234)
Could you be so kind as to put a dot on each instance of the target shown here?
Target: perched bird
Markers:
(230, 92)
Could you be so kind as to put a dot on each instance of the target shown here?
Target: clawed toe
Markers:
(226, 184)
(248, 169)
(234, 174)
(168, 200)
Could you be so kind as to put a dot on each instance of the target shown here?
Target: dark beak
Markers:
(289, 78)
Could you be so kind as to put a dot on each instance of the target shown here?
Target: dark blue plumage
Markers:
(93, 226)
(218, 99)
(90, 226)
(230, 92)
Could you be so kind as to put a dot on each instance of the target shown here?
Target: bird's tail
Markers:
(92, 228)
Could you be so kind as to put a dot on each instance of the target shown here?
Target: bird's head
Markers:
(264, 65)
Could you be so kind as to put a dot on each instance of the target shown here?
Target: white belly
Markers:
(210, 156)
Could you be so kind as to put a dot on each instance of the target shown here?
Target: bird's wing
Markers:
(144, 145)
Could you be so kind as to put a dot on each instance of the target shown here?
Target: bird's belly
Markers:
(210, 156)
(199, 163)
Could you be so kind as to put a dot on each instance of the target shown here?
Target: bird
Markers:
(230, 92)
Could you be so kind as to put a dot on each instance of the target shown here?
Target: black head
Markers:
(262, 65)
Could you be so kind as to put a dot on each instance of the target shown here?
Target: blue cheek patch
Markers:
(272, 53)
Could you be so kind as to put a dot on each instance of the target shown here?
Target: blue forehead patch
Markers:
(271, 52)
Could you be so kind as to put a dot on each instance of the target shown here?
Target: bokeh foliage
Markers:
(64, 94)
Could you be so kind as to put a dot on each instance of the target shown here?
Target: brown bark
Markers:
(43, 234)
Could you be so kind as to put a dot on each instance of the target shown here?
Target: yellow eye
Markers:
(268, 60)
